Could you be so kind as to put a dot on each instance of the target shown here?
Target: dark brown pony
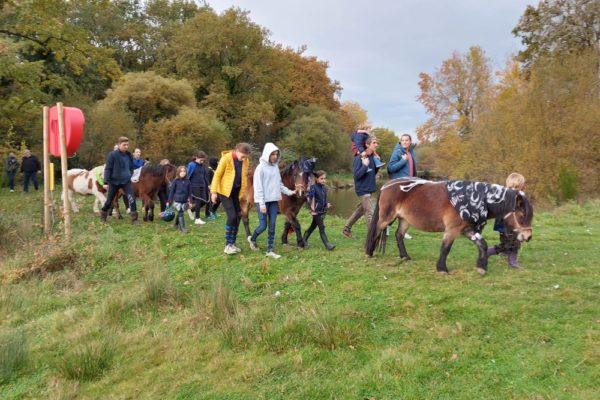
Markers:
(152, 177)
(295, 176)
(430, 206)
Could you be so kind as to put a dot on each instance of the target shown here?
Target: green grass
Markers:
(145, 312)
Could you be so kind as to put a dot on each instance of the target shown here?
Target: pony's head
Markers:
(299, 173)
(519, 220)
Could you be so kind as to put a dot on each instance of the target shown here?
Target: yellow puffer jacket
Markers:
(222, 181)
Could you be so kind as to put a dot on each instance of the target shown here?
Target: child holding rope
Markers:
(317, 200)
(180, 196)
(509, 245)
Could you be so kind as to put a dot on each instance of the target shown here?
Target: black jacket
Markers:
(30, 164)
(119, 168)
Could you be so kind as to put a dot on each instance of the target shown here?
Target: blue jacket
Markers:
(397, 167)
(198, 175)
(181, 191)
(364, 177)
(359, 139)
(317, 198)
(118, 168)
(139, 163)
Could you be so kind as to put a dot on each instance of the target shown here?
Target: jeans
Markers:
(11, 179)
(112, 192)
(271, 216)
(26, 177)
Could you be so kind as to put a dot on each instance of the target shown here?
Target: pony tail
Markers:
(372, 235)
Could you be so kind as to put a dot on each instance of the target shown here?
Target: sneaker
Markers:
(407, 236)
(211, 217)
(379, 163)
(237, 249)
(346, 232)
(191, 215)
(198, 221)
(11, 190)
(272, 255)
(216, 214)
(229, 250)
(253, 245)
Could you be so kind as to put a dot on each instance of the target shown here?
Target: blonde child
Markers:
(180, 196)
(228, 185)
(317, 200)
(509, 245)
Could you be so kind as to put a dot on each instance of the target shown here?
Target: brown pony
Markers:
(152, 177)
(295, 176)
(452, 207)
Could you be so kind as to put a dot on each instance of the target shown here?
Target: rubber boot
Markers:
(134, 217)
(181, 225)
(492, 251)
(103, 216)
(512, 260)
(328, 245)
(305, 238)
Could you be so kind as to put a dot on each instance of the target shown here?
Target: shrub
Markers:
(13, 354)
(87, 362)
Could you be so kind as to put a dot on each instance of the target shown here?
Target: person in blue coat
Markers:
(317, 201)
(364, 170)
(180, 196)
(117, 175)
(403, 162)
(198, 175)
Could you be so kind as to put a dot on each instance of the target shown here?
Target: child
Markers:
(198, 175)
(228, 184)
(317, 200)
(210, 211)
(509, 244)
(180, 196)
(359, 147)
(267, 193)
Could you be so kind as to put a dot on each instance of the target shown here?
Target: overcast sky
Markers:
(376, 49)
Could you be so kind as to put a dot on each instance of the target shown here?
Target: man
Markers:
(30, 167)
(117, 175)
(364, 171)
(12, 165)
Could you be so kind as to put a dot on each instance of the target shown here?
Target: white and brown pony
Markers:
(85, 182)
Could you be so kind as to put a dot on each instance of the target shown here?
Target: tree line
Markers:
(173, 74)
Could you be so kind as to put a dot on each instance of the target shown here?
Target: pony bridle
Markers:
(300, 188)
(523, 232)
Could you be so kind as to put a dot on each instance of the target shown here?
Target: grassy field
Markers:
(132, 312)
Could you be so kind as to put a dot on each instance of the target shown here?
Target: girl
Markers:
(267, 192)
(317, 200)
(180, 196)
(198, 176)
(228, 185)
(509, 244)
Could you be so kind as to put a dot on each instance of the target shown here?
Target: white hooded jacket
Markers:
(267, 179)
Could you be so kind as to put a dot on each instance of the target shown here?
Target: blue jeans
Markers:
(271, 215)
(11, 179)
(26, 177)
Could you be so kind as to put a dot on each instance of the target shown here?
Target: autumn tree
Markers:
(352, 115)
(148, 97)
(454, 95)
(558, 27)
(316, 132)
(387, 139)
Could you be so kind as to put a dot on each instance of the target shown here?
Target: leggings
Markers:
(232, 207)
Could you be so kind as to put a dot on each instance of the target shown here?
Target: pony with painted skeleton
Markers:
(452, 207)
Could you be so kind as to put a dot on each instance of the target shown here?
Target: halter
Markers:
(518, 228)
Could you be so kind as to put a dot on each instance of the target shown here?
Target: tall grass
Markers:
(87, 361)
(13, 354)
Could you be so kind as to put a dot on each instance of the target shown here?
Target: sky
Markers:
(377, 49)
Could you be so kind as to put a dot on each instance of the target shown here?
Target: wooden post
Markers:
(63, 167)
(46, 174)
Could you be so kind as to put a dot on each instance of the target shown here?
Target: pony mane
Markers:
(153, 169)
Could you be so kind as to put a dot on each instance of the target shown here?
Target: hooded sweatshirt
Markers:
(267, 179)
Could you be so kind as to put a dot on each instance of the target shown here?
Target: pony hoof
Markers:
(405, 259)
(481, 271)
(151, 218)
(443, 273)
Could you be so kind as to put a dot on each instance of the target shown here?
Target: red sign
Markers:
(74, 122)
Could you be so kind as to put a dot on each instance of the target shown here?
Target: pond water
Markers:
(343, 202)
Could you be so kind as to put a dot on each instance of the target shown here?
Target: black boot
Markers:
(305, 238)
(103, 216)
(134, 217)
(328, 245)
(181, 225)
